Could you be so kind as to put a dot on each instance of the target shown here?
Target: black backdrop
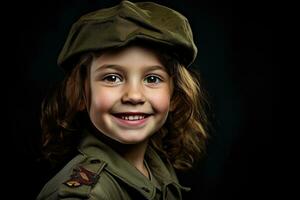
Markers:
(235, 60)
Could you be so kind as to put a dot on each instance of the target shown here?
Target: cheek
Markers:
(102, 99)
(161, 101)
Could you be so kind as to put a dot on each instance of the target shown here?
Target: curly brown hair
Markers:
(181, 139)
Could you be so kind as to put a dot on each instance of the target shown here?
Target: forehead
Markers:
(130, 56)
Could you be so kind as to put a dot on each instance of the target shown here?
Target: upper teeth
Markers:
(133, 117)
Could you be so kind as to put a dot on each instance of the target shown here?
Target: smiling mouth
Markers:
(131, 116)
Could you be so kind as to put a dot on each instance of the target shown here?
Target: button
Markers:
(146, 189)
(95, 161)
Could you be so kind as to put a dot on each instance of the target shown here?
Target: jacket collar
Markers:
(91, 146)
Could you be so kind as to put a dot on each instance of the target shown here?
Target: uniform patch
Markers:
(81, 176)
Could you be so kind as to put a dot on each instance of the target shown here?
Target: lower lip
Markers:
(131, 124)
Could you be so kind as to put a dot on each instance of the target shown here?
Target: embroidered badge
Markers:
(81, 176)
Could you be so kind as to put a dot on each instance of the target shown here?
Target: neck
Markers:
(134, 154)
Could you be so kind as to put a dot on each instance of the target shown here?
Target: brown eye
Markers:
(152, 79)
(112, 78)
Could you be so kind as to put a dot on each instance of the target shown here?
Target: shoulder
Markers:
(75, 180)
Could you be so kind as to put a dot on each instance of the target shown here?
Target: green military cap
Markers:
(127, 22)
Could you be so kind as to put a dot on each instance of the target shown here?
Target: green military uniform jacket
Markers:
(99, 173)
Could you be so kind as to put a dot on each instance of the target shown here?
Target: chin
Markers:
(131, 141)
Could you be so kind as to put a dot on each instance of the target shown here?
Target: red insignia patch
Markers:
(81, 176)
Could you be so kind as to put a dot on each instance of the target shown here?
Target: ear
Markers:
(173, 97)
(172, 104)
(84, 103)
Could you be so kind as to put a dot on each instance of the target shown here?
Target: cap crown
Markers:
(126, 22)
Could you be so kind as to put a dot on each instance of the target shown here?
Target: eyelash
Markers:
(157, 78)
(111, 76)
(154, 76)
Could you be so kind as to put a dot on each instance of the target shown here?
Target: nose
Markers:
(133, 94)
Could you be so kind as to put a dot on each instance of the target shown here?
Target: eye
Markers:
(152, 79)
(112, 78)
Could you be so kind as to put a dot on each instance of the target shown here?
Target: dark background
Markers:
(235, 42)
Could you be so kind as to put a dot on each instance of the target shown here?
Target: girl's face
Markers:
(130, 94)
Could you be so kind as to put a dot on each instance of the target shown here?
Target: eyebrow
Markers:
(120, 68)
(108, 66)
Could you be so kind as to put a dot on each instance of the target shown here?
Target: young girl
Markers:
(129, 110)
